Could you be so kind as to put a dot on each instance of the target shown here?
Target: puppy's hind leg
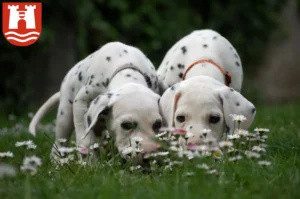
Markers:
(64, 123)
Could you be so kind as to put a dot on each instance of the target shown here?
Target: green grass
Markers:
(243, 180)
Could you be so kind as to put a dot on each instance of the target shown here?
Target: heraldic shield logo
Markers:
(22, 22)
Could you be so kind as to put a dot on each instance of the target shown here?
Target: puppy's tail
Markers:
(52, 101)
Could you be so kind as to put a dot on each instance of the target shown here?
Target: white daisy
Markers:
(64, 161)
(162, 153)
(258, 149)
(225, 144)
(264, 163)
(188, 174)
(138, 150)
(19, 144)
(205, 132)
(202, 147)
(213, 171)
(31, 146)
(6, 154)
(261, 130)
(235, 158)
(137, 139)
(252, 155)
(168, 167)
(7, 170)
(238, 118)
(127, 151)
(95, 146)
(32, 161)
(189, 135)
(161, 134)
(28, 169)
(62, 140)
(202, 166)
(64, 150)
(233, 137)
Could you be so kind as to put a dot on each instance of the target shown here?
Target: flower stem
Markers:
(27, 187)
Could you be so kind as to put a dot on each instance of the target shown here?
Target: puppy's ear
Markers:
(99, 106)
(168, 104)
(234, 103)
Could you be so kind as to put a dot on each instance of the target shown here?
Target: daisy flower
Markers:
(264, 163)
(27, 169)
(137, 139)
(242, 133)
(138, 150)
(6, 154)
(33, 161)
(127, 151)
(188, 174)
(189, 135)
(234, 159)
(205, 132)
(252, 155)
(225, 144)
(213, 171)
(218, 154)
(233, 137)
(161, 134)
(258, 149)
(238, 118)
(95, 146)
(31, 146)
(261, 130)
(202, 166)
(7, 170)
(62, 140)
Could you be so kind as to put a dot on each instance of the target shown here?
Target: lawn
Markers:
(244, 179)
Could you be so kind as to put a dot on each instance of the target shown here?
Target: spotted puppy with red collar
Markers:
(117, 81)
(201, 79)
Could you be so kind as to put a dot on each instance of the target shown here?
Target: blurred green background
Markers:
(72, 29)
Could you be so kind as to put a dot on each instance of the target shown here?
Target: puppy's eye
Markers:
(157, 125)
(180, 118)
(214, 119)
(128, 125)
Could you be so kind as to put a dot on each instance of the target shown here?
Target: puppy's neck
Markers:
(126, 76)
(205, 69)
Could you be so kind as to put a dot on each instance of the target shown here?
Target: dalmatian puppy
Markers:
(202, 52)
(204, 103)
(117, 82)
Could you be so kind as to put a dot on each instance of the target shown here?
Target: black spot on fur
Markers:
(109, 95)
(237, 63)
(105, 84)
(98, 84)
(89, 120)
(180, 66)
(125, 51)
(191, 127)
(230, 48)
(221, 99)
(148, 80)
(183, 49)
(90, 82)
(108, 58)
(105, 111)
(96, 100)
(236, 55)
(80, 76)
(180, 75)
(167, 62)
(75, 101)
(128, 75)
(92, 76)
(73, 89)
(61, 112)
(135, 78)
(231, 89)
(215, 37)
(237, 104)
(205, 45)
(171, 68)
(172, 88)
(70, 101)
(86, 91)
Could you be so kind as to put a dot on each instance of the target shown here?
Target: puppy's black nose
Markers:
(253, 110)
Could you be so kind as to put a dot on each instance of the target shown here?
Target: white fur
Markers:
(198, 45)
(129, 97)
(197, 99)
